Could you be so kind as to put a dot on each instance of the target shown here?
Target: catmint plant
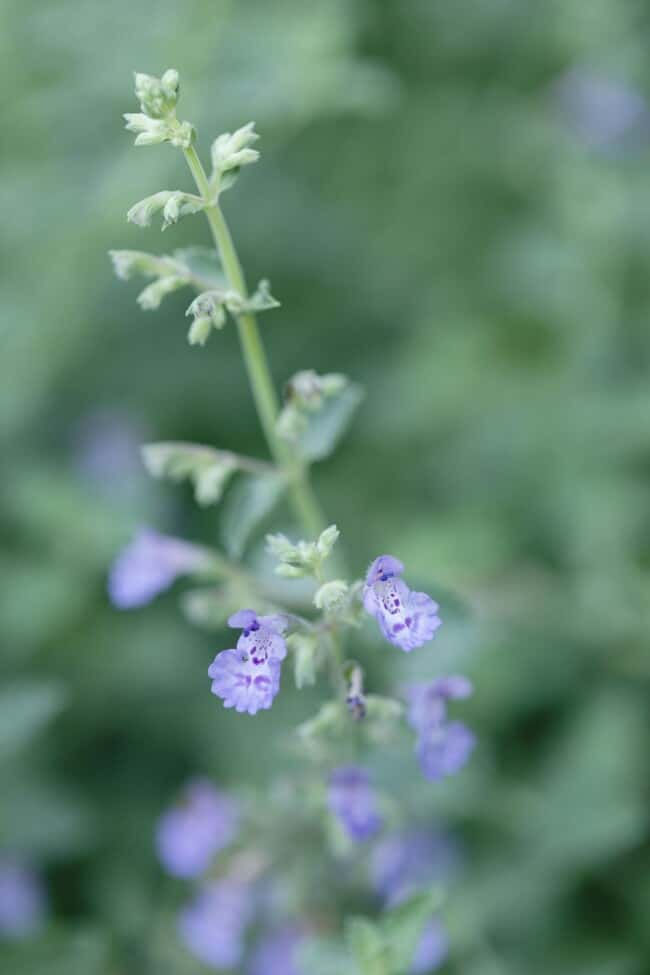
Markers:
(298, 617)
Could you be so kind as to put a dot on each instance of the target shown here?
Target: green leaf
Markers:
(368, 947)
(25, 709)
(326, 426)
(249, 501)
(202, 262)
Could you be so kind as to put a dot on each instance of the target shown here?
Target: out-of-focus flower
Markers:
(445, 751)
(190, 834)
(149, 565)
(214, 924)
(603, 112)
(276, 952)
(107, 452)
(443, 747)
(248, 677)
(406, 618)
(432, 949)
(23, 902)
(353, 801)
(404, 863)
(428, 702)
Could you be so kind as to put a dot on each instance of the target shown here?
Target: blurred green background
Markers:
(453, 206)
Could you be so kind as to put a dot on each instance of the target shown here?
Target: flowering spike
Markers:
(157, 122)
(406, 618)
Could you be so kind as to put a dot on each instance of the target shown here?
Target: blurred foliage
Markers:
(438, 229)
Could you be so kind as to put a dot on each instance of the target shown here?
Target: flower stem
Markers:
(302, 497)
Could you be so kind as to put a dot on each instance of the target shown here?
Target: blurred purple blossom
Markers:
(353, 801)
(276, 952)
(602, 111)
(23, 901)
(443, 747)
(214, 924)
(406, 618)
(404, 863)
(107, 452)
(248, 677)
(432, 949)
(445, 751)
(190, 834)
(149, 564)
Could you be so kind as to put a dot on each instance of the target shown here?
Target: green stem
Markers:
(302, 497)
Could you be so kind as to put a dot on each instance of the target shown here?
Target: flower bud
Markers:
(331, 596)
(157, 96)
(154, 293)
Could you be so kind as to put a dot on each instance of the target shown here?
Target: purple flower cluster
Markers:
(406, 618)
(214, 925)
(248, 677)
(190, 834)
(23, 903)
(149, 565)
(443, 746)
(353, 801)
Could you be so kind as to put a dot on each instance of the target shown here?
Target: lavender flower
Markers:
(149, 565)
(276, 953)
(353, 802)
(603, 112)
(107, 453)
(443, 747)
(432, 949)
(248, 678)
(404, 863)
(214, 924)
(189, 835)
(23, 903)
(406, 618)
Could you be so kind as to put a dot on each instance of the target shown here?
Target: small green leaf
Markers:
(325, 427)
(367, 946)
(203, 264)
(250, 500)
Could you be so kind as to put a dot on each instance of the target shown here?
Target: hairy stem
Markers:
(302, 497)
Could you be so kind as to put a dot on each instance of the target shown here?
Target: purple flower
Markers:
(428, 702)
(432, 949)
(149, 565)
(23, 902)
(404, 863)
(443, 747)
(406, 618)
(248, 678)
(604, 112)
(353, 801)
(276, 953)
(107, 452)
(445, 751)
(214, 924)
(190, 834)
